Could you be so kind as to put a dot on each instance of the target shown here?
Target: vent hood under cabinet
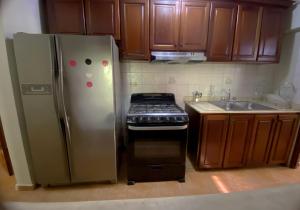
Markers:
(177, 57)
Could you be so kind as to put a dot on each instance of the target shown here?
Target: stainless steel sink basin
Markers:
(240, 106)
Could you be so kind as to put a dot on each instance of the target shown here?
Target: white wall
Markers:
(295, 23)
(15, 16)
(20, 16)
(243, 79)
(288, 70)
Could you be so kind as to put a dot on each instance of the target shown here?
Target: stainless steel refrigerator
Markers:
(70, 90)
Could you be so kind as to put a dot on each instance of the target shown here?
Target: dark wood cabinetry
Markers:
(194, 19)
(95, 17)
(213, 140)
(244, 30)
(284, 137)
(261, 139)
(247, 32)
(238, 139)
(65, 16)
(270, 36)
(251, 34)
(102, 17)
(135, 29)
(179, 25)
(221, 31)
(164, 24)
(241, 140)
(295, 158)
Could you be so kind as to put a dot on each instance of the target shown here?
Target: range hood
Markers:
(177, 57)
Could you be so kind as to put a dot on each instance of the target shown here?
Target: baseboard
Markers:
(25, 187)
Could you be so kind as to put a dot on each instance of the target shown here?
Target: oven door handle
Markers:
(157, 128)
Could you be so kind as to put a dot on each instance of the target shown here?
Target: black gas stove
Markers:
(155, 109)
(157, 137)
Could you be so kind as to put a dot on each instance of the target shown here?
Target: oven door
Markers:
(157, 144)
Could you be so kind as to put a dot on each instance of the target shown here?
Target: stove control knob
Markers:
(179, 119)
(172, 119)
(155, 119)
(131, 119)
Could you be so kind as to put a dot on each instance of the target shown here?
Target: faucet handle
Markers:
(197, 95)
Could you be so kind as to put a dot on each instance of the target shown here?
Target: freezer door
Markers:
(88, 94)
(35, 67)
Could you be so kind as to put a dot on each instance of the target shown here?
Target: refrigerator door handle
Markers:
(61, 91)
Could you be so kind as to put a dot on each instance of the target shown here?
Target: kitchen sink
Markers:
(240, 106)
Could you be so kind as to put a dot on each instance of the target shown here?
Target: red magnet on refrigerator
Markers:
(72, 63)
(104, 63)
(89, 84)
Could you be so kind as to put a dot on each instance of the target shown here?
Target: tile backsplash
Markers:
(244, 80)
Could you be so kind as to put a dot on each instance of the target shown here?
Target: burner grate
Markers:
(154, 108)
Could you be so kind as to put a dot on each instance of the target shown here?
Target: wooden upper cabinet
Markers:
(270, 36)
(102, 17)
(239, 134)
(213, 140)
(247, 33)
(221, 31)
(164, 24)
(194, 25)
(261, 139)
(65, 16)
(286, 131)
(135, 29)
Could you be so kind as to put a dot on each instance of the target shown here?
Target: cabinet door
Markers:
(164, 24)
(270, 36)
(221, 31)
(247, 33)
(261, 139)
(239, 134)
(102, 17)
(135, 29)
(65, 16)
(213, 140)
(194, 25)
(285, 135)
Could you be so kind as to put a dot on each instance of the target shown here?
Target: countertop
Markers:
(204, 107)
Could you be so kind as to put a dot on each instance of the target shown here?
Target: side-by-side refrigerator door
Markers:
(88, 98)
(35, 59)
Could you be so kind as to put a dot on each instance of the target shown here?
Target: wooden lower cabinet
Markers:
(261, 139)
(213, 140)
(238, 138)
(286, 130)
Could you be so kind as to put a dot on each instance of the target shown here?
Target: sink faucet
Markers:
(228, 94)
(197, 95)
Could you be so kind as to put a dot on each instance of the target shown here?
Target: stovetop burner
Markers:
(155, 109)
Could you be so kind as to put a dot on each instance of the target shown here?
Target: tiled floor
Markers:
(203, 182)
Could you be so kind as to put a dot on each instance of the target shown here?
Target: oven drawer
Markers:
(162, 172)
(157, 147)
